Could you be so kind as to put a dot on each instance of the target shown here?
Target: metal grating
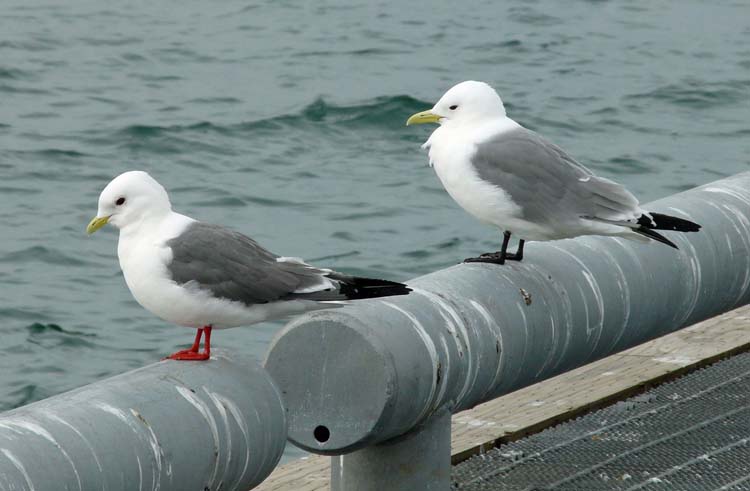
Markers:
(689, 434)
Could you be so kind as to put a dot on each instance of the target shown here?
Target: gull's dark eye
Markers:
(120, 201)
(453, 107)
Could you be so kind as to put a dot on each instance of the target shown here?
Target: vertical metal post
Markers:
(419, 460)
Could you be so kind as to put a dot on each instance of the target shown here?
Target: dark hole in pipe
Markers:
(321, 433)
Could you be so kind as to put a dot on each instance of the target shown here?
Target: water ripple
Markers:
(41, 254)
(696, 94)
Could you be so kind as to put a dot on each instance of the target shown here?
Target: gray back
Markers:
(548, 185)
(233, 266)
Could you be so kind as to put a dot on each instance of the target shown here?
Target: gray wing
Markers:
(549, 185)
(233, 266)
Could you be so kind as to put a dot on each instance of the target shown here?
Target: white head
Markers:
(130, 198)
(467, 101)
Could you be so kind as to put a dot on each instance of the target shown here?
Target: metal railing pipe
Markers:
(172, 425)
(360, 375)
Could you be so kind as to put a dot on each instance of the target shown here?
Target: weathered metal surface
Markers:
(563, 397)
(369, 372)
(169, 426)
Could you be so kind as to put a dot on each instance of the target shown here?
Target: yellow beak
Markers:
(96, 223)
(422, 118)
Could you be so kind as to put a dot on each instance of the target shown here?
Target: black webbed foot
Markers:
(500, 256)
(489, 257)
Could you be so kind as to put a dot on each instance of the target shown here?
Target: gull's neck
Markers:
(472, 131)
(142, 246)
(163, 226)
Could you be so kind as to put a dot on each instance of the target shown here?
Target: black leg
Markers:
(498, 257)
(518, 256)
(504, 250)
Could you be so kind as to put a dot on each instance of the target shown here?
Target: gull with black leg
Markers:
(514, 179)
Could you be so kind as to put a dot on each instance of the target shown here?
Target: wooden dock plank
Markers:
(568, 395)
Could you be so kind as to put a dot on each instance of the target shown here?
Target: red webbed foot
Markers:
(192, 354)
(186, 355)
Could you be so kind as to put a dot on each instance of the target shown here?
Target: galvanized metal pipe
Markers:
(364, 374)
(169, 426)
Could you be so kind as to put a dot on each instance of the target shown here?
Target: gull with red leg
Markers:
(206, 276)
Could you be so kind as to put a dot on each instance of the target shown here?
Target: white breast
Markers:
(451, 149)
(144, 256)
(488, 203)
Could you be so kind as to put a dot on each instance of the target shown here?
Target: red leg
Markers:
(197, 342)
(207, 343)
(192, 353)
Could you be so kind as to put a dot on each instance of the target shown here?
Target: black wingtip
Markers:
(659, 221)
(656, 236)
(359, 288)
